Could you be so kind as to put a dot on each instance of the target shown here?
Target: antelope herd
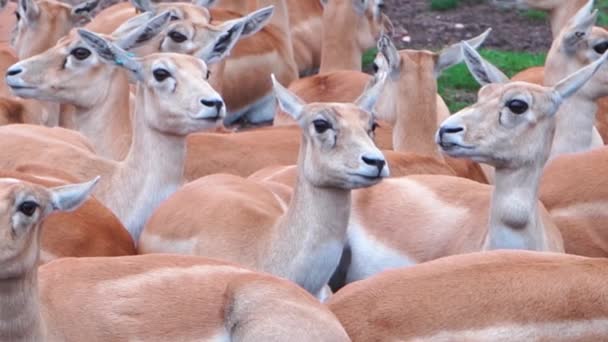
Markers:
(142, 200)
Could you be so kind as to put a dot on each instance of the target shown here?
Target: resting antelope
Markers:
(131, 298)
(491, 296)
(173, 100)
(511, 128)
(246, 221)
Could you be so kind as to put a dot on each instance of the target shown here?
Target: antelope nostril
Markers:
(449, 130)
(213, 103)
(379, 163)
(13, 72)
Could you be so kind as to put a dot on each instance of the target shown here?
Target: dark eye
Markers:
(375, 125)
(18, 16)
(517, 106)
(376, 68)
(173, 17)
(208, 74)
(28, 208)
(601, 48)
(81, 53)
(321, 125)
(177, 37)
(161, 74)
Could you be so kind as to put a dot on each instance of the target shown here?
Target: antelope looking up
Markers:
(247, 222)
(208, 300)
(511, 128)
(173, 100)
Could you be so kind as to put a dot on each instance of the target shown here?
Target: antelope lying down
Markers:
(144, 298)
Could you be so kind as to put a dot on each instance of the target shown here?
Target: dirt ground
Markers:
(429, 29)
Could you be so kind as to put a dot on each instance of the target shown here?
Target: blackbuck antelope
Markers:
(562, 12)
(491, 296)
(89, 231)
(112, 299)
(173, 100)
(511, 128)
(246, 221)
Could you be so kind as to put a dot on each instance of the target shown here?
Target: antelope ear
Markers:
(256, 21)
(323, 2)
(204, 3)
(579, 27)
(367, 101)
(29, 9)
(289, 102)
(452, 55)
(483, 71)
(143, 5)
(145, 32)
(83, 10)
(111, 53)
(577, 80)
(391, 55)
(70, 197)
(223, 41)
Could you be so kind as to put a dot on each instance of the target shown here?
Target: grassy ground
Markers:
(456, 85)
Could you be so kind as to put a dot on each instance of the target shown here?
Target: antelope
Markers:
(91, 230)
(246, 88)
(301, 241)
(561, 13)
(413, 113)
(39, 25)
(7, 20)
(209, 300)
(481, 297)
(510, 128)
(173, 99)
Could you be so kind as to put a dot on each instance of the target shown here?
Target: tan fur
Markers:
(114, 299)
(577, 204)
(498, 296)
(153, 168)
(7, 22)
(245, 221)
(11, 111)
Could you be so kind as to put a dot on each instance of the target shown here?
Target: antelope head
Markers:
(23, 206)
(512, 123)
(71, 72)
(337, 147)
(579, 44)
(41, 23)
(173, 92)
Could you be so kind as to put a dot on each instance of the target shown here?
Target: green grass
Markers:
(368, 58)
(535, 15)
(443, 5)
(602, 19)
(458, 88)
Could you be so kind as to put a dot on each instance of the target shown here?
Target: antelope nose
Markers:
(213, 103)
(449, 130)
(378, 163)
(14, 71)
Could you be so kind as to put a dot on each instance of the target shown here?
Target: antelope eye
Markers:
(161, 74)
(28, 208)
(375, 125)
(517, 106)
(321, 126)
(18, 16)
(173, 17)
(208, 74)
(81, 53)
(376, 68)
(177, 37)
(601, 48)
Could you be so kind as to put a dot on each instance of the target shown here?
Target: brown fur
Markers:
(11, 111)
(491, 290)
